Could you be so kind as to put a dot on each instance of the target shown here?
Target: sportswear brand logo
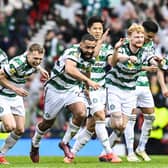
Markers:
(1, 109)
(112, 107)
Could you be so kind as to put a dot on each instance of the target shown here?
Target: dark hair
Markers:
(94, 19)
(150, 26)
(88, 37)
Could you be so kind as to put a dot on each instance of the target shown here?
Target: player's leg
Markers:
(129, 137)
(145, 132)
(115, 123)
(78, 110)
(82, 138)
(121, 101)
(15, 135)
(147, 107)
(41, 129)
(75, 104)
(7, 123)
(129, 131)
(98, 99)
(115, 120)
(51, 108)
(17, 109)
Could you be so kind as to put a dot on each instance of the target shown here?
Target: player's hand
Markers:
(93, 84)
(104, 36)
(158, 59)
(21, 92)
(151, 68)
(119, 43)
(133, 59)
(45, 74)
(165, 92)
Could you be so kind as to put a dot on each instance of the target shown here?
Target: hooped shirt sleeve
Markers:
(10, 69)
(164, 63)
(15, 64)
(148, 52)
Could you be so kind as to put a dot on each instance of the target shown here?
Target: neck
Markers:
(133, 49)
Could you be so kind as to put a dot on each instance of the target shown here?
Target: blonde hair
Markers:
(36, 47)
(135, 27)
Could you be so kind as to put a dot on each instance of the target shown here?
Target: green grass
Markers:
(83, 162)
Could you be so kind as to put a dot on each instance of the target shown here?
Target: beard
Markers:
(86, 56)
(138, 45)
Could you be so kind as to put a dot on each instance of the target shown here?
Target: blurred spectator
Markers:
(116, 31)
(79, 28)
(4, 32)
(126, 11)
(54, 47)
(67, 10)
(94, 7)
(12, 51)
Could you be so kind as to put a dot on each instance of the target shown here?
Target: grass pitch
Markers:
(83, 162)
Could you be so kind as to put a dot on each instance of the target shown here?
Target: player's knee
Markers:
(19, 131)
(81, 114)
(120, 127)
(9, 127)
(44, 126)
(117, 121)
(99, 116)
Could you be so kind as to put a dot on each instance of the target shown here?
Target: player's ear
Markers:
(81, 44)
(88, 30)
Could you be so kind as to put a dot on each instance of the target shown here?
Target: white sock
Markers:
(129, 134)
(145, 131)
(9, 142)
(83, 137)
(37, 136)
(112, 138)
(102, 135)
(79, 131)
(108, 122)
(70, 133)
(2, 128)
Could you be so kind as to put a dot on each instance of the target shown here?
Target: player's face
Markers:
(149, 36)
(35, 58)
(96, 30)
(137, 39)
(87, 48)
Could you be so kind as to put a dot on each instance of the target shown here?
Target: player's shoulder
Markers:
(73, 51)
(106, 46)
(19, 60)
(150, 44)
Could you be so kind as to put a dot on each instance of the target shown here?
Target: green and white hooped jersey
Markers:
(164, 63)
(142, 78)
(17, 71)
(125, 74)
(3, 58)
(60, 79)
(98, 71)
